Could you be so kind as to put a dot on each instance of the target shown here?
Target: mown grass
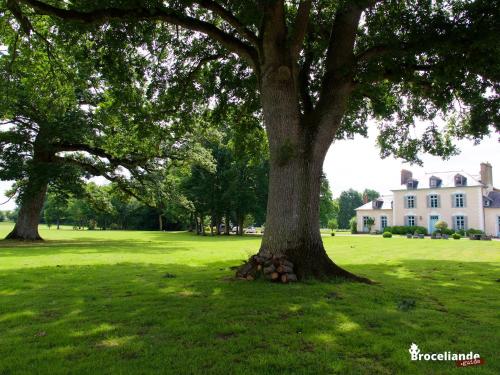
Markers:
(145, 303)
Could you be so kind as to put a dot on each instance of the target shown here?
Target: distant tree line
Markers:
(205, 199)
(336, 213)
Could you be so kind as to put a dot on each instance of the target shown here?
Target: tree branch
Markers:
(170, 16)
(23, 21)
(96, 171)
(300, 27)
(339, 70)
(230, 19)
(96, 151)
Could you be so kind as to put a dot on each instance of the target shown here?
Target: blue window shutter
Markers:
(428, 201)
(406, 202)
(466, 224)
(453, 201)
(415, 220)
(406, 221)
(465, 201)
(439, 200)
(414, 201)
(454, 222)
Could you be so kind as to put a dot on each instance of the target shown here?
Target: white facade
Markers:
(462, 200)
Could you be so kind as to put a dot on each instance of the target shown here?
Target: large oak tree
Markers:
(61, 121)
(321, 68)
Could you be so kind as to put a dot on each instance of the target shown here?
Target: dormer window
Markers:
(435, 182)
(486, 202)
(378, 203)
(412, 184)
(460, 180)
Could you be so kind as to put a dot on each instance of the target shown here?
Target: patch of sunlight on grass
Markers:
(64, 350)
(448, 284)
(169, 290)
(346, 324)
(188, 293)
(325, 338)
(102, 328)
(401, 273)
(114, 342)
(19, 314)
(216, 292)
(9, 292)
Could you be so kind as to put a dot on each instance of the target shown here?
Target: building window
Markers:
(383, 222)
(433, 201)
(410, 221)
(459, 200)
(410, 201)
(459, 222)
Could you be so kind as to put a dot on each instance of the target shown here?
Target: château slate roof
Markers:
(494, 197)
(447, 178)
(386, 205)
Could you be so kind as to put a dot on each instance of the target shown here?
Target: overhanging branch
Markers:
(231, 19)
(170, 16)
(300, 27)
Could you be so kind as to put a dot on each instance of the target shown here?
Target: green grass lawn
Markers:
(146, 303)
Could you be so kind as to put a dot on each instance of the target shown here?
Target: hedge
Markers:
(404, 229)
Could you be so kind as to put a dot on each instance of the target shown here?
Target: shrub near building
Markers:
(405, 229)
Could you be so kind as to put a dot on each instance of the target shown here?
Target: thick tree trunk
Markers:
(202, 225)
(160, 222)
(292, 223)
(226, 225)
(298, 147)
(33, 193)
(240, 225)
(26, 227)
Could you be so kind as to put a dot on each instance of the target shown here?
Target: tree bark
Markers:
(202, 225)
(226, 225)
(298, 145)
(240, 225)
(32, 200)
(34, 192)
(160, 222)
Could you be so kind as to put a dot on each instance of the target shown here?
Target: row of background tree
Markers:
(202, 196)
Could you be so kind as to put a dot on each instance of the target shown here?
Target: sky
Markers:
(357, 164)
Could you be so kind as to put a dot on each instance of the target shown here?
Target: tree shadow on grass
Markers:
(172, 318)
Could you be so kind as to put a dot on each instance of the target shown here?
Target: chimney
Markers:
(486, 174)
(365, 198)
(405, 176)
